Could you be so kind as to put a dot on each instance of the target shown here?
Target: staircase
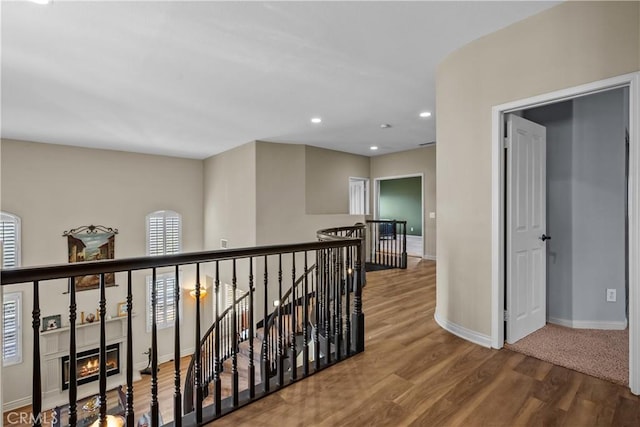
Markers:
(308, 327)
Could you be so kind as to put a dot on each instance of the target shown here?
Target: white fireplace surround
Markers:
(54, 345)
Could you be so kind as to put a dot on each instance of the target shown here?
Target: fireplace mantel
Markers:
(55, 345)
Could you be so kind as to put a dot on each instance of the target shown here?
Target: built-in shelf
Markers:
(85, 324)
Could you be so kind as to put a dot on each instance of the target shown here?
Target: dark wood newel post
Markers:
(358, 315)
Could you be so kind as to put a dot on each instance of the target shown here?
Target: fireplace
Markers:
(88, 365)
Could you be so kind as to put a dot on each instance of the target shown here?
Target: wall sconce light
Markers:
(203, 292)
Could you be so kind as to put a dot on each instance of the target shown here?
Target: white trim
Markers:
(588, 324)
(462, 332)
(429, 257)
(497, 206)
(15, 404)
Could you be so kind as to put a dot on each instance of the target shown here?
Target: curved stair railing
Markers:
(217, 346)
(284, 326)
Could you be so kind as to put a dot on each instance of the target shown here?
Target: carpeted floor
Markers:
(600, 353)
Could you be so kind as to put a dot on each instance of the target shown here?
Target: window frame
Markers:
(165, 323)
(164, 215)
(9, 217)
(17, 298)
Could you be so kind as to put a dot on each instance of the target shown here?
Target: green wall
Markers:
(401, 199)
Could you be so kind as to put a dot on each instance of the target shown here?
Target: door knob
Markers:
(545, 237)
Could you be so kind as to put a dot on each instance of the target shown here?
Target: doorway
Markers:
(401, 198)
(500, 211)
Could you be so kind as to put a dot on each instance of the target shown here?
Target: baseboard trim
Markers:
(587, 324)
(15, 404)
(462, 332)
(429, 257)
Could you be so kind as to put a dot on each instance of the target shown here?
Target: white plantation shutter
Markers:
(164, 233)
(10, 238)
(165, 301)
(11, 333)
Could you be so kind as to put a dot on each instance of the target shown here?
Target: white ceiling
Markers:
(195, 79)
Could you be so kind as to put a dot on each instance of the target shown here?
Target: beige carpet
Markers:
(602, 354)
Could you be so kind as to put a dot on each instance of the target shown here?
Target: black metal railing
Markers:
(320, 313)
(386, 244)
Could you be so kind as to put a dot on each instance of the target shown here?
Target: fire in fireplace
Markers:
(88, 365)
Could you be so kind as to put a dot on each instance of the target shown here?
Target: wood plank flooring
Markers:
(413, 373)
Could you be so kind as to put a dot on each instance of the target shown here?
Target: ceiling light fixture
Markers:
(425, 114)
(40, 1)
(373, 147)
(316, 120)
(385, 125)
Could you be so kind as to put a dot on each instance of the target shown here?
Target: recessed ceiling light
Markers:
(373, 147)
(40, 1)
(316, 120)
(425, 114)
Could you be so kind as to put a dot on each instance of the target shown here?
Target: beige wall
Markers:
(54, 188)
(230, 198)
(571, 44)
(327, 179)
(417, 161)
(281, 192)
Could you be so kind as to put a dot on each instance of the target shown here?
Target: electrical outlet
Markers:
(224, 243)
(611, 295)
(411, 228)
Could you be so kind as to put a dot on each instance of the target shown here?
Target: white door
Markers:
(526, 227)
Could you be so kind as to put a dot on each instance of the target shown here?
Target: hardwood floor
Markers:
(413, 373)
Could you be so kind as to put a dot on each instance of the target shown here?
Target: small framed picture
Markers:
(50, 323)
(122, 309)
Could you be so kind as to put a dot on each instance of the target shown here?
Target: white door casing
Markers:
(526, 226)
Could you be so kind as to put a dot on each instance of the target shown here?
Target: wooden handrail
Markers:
(63, 271)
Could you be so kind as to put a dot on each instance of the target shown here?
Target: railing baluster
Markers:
(316, 303)
(305, 319)
(252, 368)
(103, 351)
(265, 368)
(404, 245)
(327, 306)
(358, 315)
(155, 414)
(280, 341)
(294, 320)
(128, 413)
(217, 365)
(73, 362)
(36, 385)
(337, 304)
(234, 335)
(348, 289)
(177, 394)
(198, 352)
